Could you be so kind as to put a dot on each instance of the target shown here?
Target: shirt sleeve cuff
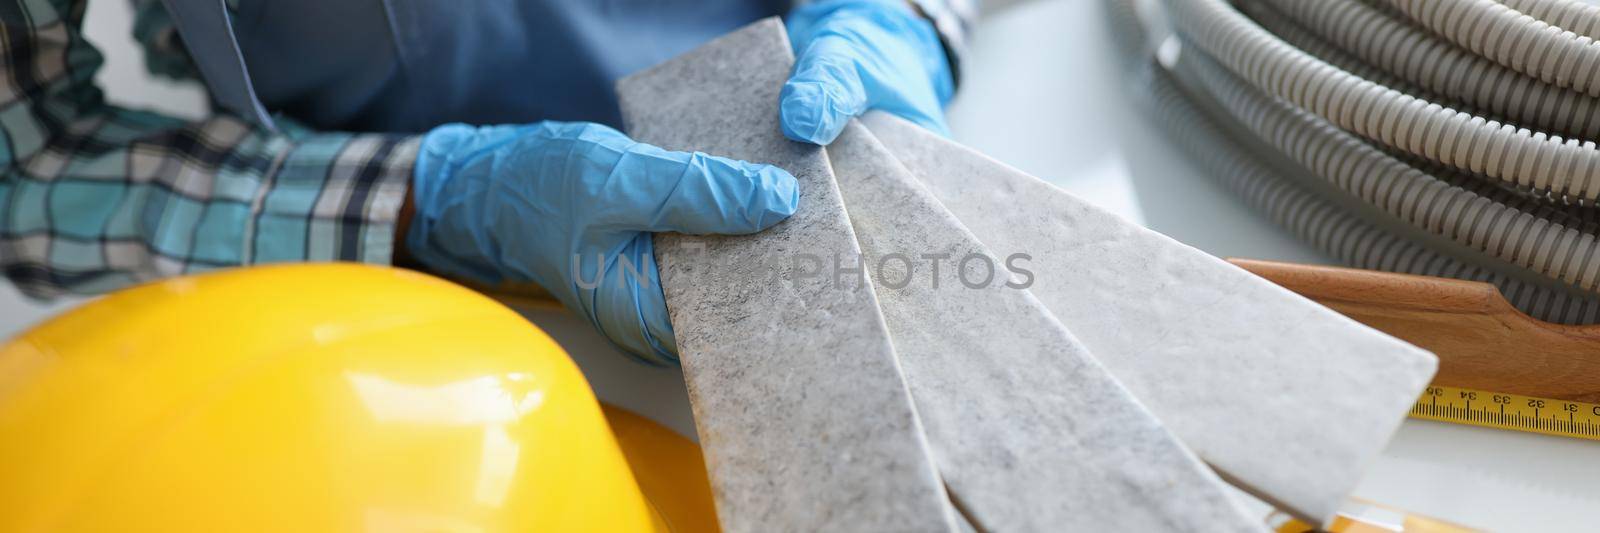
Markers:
(953, 20)
(336, 198)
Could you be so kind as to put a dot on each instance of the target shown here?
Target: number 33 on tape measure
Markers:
(1509, 411)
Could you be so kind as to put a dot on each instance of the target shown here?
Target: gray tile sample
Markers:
(1029, 432)
(1282, 396)
(803, 416)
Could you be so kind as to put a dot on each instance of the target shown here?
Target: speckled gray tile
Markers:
(1028, 431)
(1282, 396)
(798, 400)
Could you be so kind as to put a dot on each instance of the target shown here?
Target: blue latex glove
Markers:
(855, 55)
(553, 201)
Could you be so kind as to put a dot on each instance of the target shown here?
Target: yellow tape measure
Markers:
(1509, 411)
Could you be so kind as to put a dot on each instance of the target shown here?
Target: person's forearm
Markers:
(402, 226)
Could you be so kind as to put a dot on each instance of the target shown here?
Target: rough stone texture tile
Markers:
(1282, 396)
(1029, 432)
(798, 400)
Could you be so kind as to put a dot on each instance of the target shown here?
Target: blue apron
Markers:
(409, 65)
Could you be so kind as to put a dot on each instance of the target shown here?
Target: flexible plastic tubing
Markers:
(1350, 230)
(1512, 38)
(1577, 17)
(1584, 218)
(1349, 234)
(1410, 195)
(1132, 39)
(1384, 115)
(1430, 63)
(1301, 38)
(1336, 231)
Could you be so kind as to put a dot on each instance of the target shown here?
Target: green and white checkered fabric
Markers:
(96, 197)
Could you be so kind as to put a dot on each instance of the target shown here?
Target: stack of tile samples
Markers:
(937, 341)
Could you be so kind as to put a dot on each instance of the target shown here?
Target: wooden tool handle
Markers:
(1482, 341)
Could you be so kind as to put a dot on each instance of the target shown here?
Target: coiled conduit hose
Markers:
(1437, 137)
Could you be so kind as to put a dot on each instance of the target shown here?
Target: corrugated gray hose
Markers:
(1438, 137)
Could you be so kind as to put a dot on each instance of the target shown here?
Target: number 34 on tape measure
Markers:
(1509, 411)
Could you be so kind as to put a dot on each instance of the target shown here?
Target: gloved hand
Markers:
(855, 55)
(570, 206)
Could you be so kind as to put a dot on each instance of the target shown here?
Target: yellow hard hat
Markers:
(328, 397)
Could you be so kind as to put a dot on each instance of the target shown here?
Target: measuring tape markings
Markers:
(1509, 411)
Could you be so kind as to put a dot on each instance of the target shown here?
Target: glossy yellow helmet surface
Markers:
(327, 397)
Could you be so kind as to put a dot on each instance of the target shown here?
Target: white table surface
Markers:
(1041, 94)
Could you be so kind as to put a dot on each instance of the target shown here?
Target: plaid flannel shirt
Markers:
(97, 197)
